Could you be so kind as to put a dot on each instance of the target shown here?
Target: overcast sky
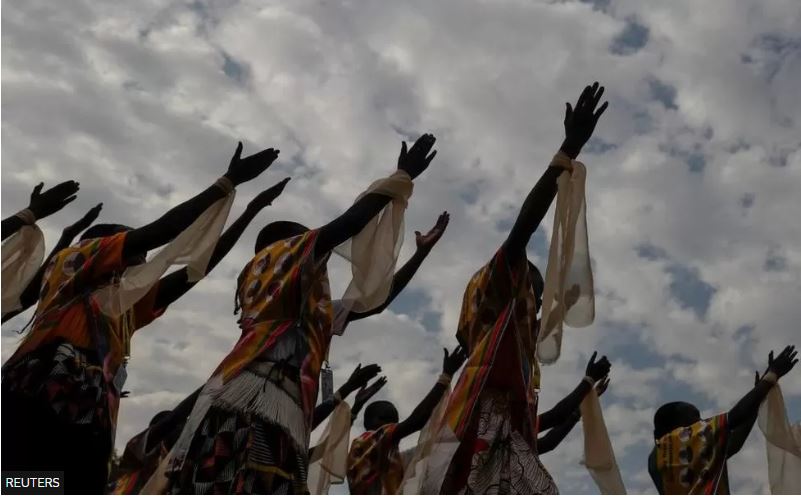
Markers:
(692, 176)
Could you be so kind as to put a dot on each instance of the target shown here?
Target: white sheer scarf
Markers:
(599, 457)
(22, 256)
(783, 441)
(192, 248)
(569, 270)
(328, 461)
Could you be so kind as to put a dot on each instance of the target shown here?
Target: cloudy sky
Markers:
(692, 186)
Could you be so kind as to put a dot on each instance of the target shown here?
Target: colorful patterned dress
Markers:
(692, 460)
(70, 367)
(493, 408)
(254, 437)
(374, 462)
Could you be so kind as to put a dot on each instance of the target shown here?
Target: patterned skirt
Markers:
(248, 442)
(501, 461)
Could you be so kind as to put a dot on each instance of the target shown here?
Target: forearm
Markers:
(557, 434)
(177, 284)
(748, 406)
(740, 434)
(565, 407)
(532, 212)
(323, 410)
(399, 282)
(171, 224)
(11, 225)
(350, 223)
(417, 420)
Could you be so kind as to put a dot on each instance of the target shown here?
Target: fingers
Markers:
(442, 221)
(592, 358)
(68, 200)
(403, 151)
(770, 358)
(37, 189)
(568, 112)
(597, 97)
(445, 352)
(600, 111)
(237, 153)
(756, 377)
(431, 157)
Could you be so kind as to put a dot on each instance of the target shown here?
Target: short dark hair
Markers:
(379, 413)
(103, 230)
(673, 415)
(276, 231)
(159, 417)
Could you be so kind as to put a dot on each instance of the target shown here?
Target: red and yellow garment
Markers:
(374, 462)
(692, 460)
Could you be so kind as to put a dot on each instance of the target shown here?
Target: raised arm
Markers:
(172, 223)
(420, 415)
(41, 205)
(175, 285)
(30, 296)
(402, 277)
(556, 435)
(595, 372)
(740, 434)
(748, 406)
(358, 379)
(349, 224)
(579, 126)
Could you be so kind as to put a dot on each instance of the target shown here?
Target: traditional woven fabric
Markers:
(268, 381)
(692, 460)
(374, 462)
(68, 313)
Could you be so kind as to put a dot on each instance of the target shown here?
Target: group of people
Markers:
(248, 429)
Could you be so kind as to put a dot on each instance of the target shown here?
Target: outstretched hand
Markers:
(417, 159)
(580, 121)
(360, 377)
(428, 240)
(365, 393)
(783, 363)
(52, 200)
(84, 223)
(268, 196)
(598, 370)
(451, 362)
(241, 170)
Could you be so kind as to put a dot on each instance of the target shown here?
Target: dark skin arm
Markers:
(175, 285)
(349, 224)
(556, 435)
(402, 277)
(420, 415)
(364, 395)
(30, 296)
(740, 434)
(178, 415)
(171, 224)
(42, 205)
(748, 407)
(358, 379)
(579, 126)
(596, 371)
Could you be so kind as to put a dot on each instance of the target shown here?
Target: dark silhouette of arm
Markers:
(350, 223)
(557, 434)
(565, 407)
(11, 225)
(420, 415)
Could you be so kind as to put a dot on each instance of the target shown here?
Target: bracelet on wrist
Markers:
(589, 380)
(225, 184)
(444, 379)
(27, 216)
(771, 377)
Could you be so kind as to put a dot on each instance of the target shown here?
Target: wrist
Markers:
(27, 215)
(588, 380)
(231, 179)
(570, 149)
(771, 377)
(445, 379)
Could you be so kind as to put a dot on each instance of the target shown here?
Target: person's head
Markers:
(537, 283)
(159, 417)
(671, 416)
(276, 231)
(105, 230)
(379, 413)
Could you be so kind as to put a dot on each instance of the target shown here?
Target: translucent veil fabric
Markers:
(373, 253)
(599, 457)
(568, 278)
(22, 255)
(783, 441)
(192, 248)
(328, 463)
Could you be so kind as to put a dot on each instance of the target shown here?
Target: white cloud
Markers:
(134, 101)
